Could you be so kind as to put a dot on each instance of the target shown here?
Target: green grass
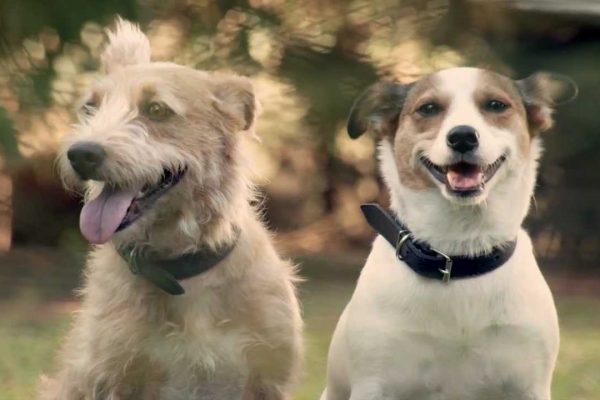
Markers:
(29, 339)
(28, 342)
(577, 375)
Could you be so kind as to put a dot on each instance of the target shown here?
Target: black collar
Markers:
(166, 272)
(427, 261)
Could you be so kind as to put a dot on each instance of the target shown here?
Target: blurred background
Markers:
(308, 60)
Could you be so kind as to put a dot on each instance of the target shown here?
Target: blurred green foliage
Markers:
(309, 60)
(8, 138)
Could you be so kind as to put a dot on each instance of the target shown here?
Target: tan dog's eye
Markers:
(89, 108)
(158, 111)
(429, 109)
(495, 106)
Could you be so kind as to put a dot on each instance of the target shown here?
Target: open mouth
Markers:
(463, 179)
(115, 208)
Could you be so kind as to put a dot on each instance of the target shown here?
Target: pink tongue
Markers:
(101, 216)
(464, 179)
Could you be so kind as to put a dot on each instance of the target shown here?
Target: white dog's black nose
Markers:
(86, 159)
(462, 139)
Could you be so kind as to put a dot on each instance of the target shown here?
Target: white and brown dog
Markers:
(185, 297)
(451, 303)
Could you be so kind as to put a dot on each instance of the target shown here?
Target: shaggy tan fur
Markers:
(236, 332)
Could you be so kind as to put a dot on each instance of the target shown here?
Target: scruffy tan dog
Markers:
(184, 295)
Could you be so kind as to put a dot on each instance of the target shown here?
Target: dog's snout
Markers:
(463, 138)
(86, 159)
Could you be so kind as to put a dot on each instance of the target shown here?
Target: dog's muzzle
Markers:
(86, 158)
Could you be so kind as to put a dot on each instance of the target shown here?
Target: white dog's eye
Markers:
(429, 109)
(496, 106)
(158, 111)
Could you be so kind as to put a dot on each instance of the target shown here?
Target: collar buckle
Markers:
(403, 236)
(131, 260)
(447, 270)
(427, 262)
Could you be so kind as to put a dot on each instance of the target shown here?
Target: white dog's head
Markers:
(156, 143)
(459, 149)
(460, 130)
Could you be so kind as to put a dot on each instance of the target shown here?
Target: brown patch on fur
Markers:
(492, 86)
(413, 128)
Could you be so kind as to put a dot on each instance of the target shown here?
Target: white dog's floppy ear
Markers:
(236, 100)
(127, 45)
(541, 93)
(377, 109)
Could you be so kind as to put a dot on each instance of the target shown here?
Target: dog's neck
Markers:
(462, 230)
(209, 216)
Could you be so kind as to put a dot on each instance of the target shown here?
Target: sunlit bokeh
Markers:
(308, 61)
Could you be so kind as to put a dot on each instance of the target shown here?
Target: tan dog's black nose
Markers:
(462, 139)
(86, 158)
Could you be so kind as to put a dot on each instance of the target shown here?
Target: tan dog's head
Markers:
(155, 140)
(460, 130)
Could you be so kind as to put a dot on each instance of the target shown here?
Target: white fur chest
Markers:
(490, 337)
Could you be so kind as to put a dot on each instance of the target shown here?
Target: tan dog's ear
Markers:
(541, 93)
(236, 100)
(377, 109)
(127, 45)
